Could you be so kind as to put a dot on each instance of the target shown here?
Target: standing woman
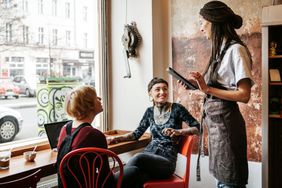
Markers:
(226, 81)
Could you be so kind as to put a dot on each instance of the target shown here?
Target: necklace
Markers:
(162, 114)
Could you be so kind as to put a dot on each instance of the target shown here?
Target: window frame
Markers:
(18, 147)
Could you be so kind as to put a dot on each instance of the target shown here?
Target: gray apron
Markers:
(227, 132)
(227, 141)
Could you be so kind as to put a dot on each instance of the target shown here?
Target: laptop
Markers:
(53, 131)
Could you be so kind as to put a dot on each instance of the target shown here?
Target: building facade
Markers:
(47, 38)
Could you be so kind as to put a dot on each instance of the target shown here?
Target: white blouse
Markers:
(235, 66)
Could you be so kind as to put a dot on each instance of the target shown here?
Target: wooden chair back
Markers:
(90, 167)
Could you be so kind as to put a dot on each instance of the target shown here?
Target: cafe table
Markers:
(46, 158)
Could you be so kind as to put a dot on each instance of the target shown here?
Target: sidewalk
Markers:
(20, 105)
(22, 102)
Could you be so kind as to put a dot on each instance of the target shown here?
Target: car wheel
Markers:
(8, 129)
(27, 93)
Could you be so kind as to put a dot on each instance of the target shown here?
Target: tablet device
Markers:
(53, 132)
(186, 82)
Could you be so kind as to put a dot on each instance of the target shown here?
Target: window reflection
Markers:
(43, 47)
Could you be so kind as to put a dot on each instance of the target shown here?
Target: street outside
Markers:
(26, 106)
(30, 62)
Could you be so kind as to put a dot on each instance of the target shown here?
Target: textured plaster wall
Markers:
(191, 50)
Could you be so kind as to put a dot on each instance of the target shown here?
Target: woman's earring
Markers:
(151, 98)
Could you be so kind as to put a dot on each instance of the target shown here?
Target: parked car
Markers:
(27, 86)
(8, 89)
(10, 124)
(89, 81)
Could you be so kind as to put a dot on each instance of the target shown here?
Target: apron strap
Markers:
(200, 148)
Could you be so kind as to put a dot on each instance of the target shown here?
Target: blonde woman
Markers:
(83, 105)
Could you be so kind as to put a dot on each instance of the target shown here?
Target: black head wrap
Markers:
(218, 12)
(154, 81)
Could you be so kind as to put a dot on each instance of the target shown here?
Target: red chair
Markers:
(91, 167)
(176, 181)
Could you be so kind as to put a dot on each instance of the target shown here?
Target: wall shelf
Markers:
(275, 57)
(275, 83)
(278, 116)
(272, 123)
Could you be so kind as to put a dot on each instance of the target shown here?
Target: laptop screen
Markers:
(53, 131)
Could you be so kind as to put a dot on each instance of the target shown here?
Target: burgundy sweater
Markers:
(86, 137)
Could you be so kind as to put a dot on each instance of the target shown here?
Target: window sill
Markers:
(18, 147)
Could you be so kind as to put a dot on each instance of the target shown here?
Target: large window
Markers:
(55, 37)
(85, 13)
(25, 6)
(68, 38)
(8, 32)
(85, 40)
(40, 7)
(67, 9)
(16, 66)
(7, 3)
(54, 7)
(42, 61)
(40, 35)
(25, 34)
